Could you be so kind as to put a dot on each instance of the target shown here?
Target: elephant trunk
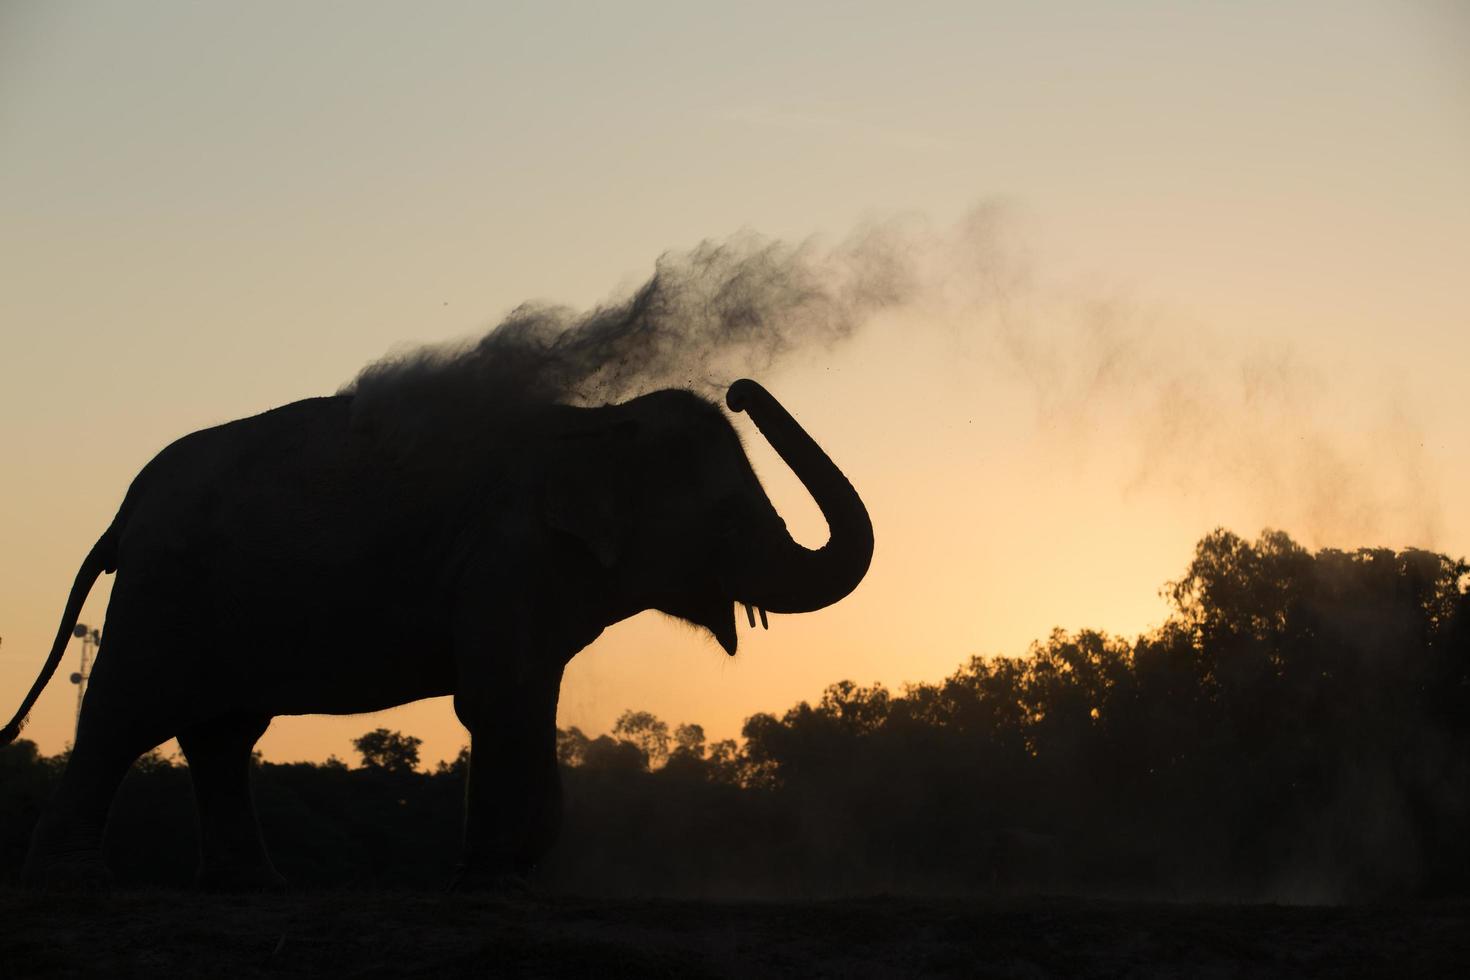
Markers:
(783, 576)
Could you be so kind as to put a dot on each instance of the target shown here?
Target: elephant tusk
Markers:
(750, 615)
(764, 625)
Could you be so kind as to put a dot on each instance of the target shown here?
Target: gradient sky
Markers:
(1191, 264)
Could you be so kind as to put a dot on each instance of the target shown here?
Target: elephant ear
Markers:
(590, 492)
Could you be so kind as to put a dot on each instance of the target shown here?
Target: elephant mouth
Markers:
(724, 632)
(719, 619)
(726, 635)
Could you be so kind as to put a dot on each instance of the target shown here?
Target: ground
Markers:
(371, 934)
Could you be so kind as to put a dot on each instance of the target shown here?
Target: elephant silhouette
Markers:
(337, 573)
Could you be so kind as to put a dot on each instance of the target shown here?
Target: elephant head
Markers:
(705, 536)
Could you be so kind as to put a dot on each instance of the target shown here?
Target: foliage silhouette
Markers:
(388, 751)
(1298, 730)
(645, 731)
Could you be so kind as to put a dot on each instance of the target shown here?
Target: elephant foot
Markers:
(504, 884)
(240, 878)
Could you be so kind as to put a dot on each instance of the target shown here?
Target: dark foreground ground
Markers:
(371, 934)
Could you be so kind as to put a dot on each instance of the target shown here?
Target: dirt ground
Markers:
(371, 934)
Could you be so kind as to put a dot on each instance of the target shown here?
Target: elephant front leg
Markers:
(513, 796)
(232, 853)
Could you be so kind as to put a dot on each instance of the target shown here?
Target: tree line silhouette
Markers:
(1298, 730)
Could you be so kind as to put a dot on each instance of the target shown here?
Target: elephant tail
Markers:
(102, 558)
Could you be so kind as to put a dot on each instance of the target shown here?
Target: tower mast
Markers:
(91, 639)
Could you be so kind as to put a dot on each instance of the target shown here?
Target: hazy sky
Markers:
(1188, 265)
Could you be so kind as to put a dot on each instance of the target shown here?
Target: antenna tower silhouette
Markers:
(91, 640)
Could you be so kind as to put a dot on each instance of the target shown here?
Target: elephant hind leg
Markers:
(232, 852)
(66, 846)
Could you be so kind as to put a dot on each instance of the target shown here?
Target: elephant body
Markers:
(299, 569)
(306, 561)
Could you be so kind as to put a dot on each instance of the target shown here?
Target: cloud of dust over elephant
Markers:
(707, 316)
(1192, 406)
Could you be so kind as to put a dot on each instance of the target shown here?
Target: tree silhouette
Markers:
(647, 732)
(1300, 721)
(571, 746)
(388, 751)
(457, 767)
(689, 740)
(614, 755)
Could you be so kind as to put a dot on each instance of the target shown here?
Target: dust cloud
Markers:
(707, 316)
(1189, 408)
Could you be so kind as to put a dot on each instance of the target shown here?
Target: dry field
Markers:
(370, 934)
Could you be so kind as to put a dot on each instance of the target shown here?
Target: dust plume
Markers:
(706, 316)
(1191, 409)
(1333, 447)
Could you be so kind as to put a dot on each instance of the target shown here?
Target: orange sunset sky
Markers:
(1184, 265)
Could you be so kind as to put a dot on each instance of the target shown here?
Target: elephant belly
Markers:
(354, 668)
(233, 649)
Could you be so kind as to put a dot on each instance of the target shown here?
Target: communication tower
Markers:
(91, 640)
